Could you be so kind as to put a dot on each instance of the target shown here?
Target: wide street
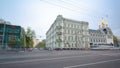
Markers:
(61, 59)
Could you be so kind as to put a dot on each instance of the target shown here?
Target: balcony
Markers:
(59, 33)
(59, 27)
(58, 40)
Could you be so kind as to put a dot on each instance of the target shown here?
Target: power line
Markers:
(54, 4)
(77, 7)
(93, 18)
(72, 4)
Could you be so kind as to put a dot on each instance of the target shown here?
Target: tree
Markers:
(12, 43)
(22, 38)
(115, 39)
(41, 44)
(29, 37)
(22, 43)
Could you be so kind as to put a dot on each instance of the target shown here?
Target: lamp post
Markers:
(18, 43)
(76, 38)
(3, 35)
(24, 42)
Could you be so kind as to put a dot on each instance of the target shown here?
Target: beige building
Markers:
(67, 34)
(36, 41)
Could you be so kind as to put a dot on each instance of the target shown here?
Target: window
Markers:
(68, 37)
(79, 38)
(1, 37)
(72, 38)
(77, 26)
(72, 25)
(104, 40)
(65, 38)
(71, 31)
(91, 34)
(68, 31)
(68, 25)
(65, 31)
(78, 32)
(64, 24)
(94, 40)
(12, 37)
(91, 40)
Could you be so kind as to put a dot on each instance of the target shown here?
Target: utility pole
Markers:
(3, 35)
(24, 40)
(76, 38)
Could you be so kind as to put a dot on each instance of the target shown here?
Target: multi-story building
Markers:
(9, 34)
(102, 36)
(68, 34)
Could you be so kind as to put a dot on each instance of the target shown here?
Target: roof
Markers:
(95, 31)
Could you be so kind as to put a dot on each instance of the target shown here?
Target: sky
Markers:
(40, 14)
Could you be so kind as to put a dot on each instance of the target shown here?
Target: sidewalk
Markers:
(7, 51)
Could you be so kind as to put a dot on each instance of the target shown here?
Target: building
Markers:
(102, 36)
(71, 34)
(36, 41)
(67, 34)
(10, 35)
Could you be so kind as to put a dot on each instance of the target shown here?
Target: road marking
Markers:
(34, 60)
(112, 54)
(91, 63)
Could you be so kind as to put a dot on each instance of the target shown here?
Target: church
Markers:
(102, 36)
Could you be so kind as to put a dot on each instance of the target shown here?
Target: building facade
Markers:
(102, 36)
(67, 34)
(70, 34)
(9, 34)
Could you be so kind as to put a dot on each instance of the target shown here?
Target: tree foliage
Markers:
(29, 37)
(22, 43)
(41, 44)
(12, 43)
(115, 39)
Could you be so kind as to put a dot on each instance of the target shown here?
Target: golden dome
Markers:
(103, 22)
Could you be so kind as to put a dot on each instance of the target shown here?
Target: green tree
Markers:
(22, 38)
(12, 43)
(22, 43)
(41, 44)
(29, 37)
(115, 39)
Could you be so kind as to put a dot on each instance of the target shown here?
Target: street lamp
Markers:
(3, 34)
(76, 38)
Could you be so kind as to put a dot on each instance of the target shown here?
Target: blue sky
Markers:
(40, 14)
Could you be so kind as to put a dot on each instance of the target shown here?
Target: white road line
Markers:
(34, 60)
(112, 54)
(92, 63)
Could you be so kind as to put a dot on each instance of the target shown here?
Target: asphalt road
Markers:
(62, 59)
